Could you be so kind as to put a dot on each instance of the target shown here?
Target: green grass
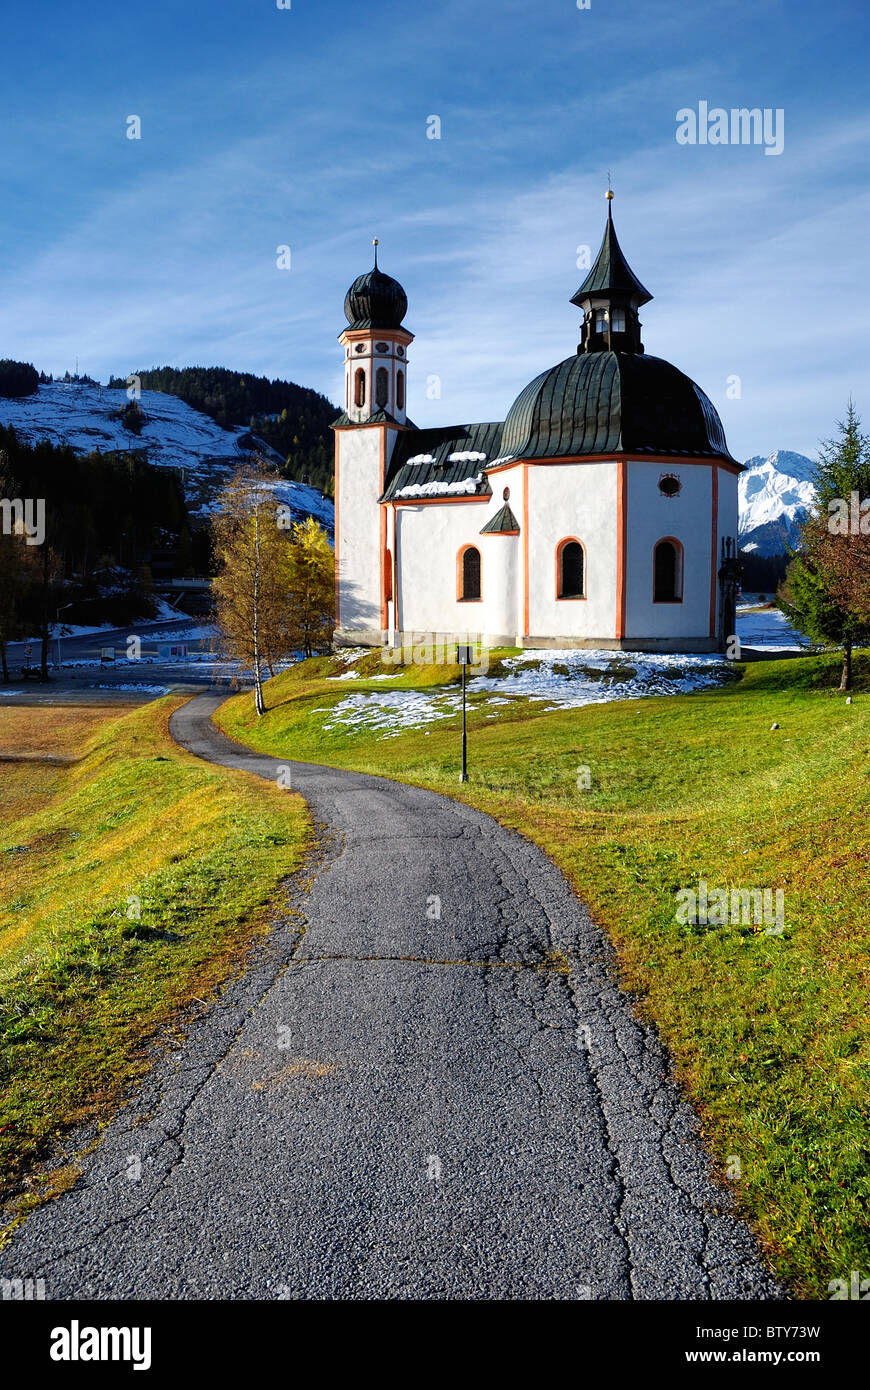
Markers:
(132, 881)
(768, 1033)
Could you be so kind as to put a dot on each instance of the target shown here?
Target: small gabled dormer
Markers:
(610, 297)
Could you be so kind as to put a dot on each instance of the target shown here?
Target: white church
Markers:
(601, 513)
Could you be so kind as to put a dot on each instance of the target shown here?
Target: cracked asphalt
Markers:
(408, 1095)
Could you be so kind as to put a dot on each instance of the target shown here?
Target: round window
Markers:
(669, 485)
(360, 347)
(506, 494)
(382, 347)
(400, 351)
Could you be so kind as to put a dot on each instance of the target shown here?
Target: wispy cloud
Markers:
(166, 251)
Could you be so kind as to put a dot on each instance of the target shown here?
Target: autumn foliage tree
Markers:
(311, 611)
(253, 570)
(274, 584)
(826, 591)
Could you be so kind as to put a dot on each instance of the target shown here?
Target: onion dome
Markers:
(375, 300)
(613, 403)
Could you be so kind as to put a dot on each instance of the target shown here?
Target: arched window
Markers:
(400, 390)
(469, 575)
(359, 394)
(570, 570)
(668, 572)
(382, 387)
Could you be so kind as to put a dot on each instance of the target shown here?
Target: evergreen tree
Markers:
(820, 594)
(807, 600)
(843, 465)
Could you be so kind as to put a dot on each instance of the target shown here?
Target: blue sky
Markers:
(307, 127)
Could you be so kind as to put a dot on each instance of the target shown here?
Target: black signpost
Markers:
(463, 656)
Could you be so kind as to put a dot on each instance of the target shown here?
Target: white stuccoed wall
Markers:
(577, 500)
(564, 500)
(650, 518)
(358, 538)
(430, 537)
(729, 508)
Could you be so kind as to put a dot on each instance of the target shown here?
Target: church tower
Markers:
(375, 415)
(610, 297)
(375, 348)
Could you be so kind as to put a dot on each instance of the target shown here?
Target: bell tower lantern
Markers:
(376, 349)
(610, 297)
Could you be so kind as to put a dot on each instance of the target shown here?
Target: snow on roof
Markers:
(438, 489)
(463, 456)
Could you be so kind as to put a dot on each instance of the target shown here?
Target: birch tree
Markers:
(252, 583)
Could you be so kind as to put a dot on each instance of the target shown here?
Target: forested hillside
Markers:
(99, 522)
(293, 419)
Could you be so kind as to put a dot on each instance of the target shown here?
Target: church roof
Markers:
(611, 272)
(612, 403)
(504, 523)
(445, 462)
(375, 300)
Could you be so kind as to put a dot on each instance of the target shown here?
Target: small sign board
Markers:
(172, 651)
(465, 655)
(107, 654)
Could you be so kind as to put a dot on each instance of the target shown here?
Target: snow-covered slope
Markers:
(775, 495)
(174, 436)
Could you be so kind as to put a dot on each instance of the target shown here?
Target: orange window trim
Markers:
(621, 534)
(337, 541)
(569, 598)
(525, 550)
(459, 575)
(714, 548)
(678, 545)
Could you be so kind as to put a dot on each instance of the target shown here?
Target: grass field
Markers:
(768, 1032)
(133, 879)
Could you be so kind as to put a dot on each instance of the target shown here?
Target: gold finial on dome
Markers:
(376, 244)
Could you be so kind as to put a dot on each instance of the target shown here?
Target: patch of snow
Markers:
(592, 677)
(391, 712)
(174, 435)
(422, 458)
(467, 456)
(584, 678)
(769, 628)
(134, 685)
(438, 489)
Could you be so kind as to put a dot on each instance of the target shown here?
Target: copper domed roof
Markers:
(375, 300)
(610, 403)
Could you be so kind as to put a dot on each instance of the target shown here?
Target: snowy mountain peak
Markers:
(775, 494)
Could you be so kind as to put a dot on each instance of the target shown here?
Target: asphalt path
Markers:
(426, 1086)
